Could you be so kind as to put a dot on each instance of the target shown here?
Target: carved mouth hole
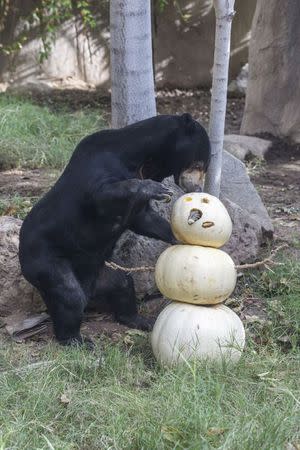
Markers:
(195, 214)
(207, 224)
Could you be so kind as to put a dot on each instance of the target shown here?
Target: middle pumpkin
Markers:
(192, 274)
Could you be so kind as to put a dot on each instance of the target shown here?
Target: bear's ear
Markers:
(188, 122)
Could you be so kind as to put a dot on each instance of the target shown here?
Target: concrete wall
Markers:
(182, 43)
(184, 48)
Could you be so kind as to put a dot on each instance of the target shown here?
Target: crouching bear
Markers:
(104, 190)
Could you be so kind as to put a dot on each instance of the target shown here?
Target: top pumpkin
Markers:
(201, 219)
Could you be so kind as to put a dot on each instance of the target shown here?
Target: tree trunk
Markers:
(273, 92)
(224, 10)
(132, 83)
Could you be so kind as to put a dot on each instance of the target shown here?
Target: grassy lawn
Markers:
(34, 136)
(117, 397)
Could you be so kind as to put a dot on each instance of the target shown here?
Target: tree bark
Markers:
(132, 82)
(224, 10)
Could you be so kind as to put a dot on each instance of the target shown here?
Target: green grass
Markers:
(16, 205)
(279, 288)
(121, 400)
(34, 136)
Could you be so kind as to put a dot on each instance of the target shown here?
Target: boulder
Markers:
(237, 187)
(246, 147)
(16, 294)
(246, 237)
(273, 94)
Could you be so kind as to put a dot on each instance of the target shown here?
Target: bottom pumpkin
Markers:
(183, 332)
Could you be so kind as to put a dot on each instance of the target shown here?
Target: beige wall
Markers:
(183, 48)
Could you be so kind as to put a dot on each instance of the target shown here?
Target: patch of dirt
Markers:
(278, 182)
(25, 182)
(95, 325)
(169, 101)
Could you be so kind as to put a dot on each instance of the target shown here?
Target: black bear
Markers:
(104, 190)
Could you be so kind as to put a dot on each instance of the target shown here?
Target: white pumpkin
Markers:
(183, 332)
(193, 274)
(201, 219)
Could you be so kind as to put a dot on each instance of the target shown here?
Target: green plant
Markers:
(45, 18)
(16, 206)
(161, 4)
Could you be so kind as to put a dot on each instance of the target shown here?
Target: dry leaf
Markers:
(263, 374)
(292, 446)
(215, 431)
(128, 340)
(136, 333)
(64, 399)
(170, 433)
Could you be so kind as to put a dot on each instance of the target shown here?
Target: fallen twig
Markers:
(264, 262)
(116, 266)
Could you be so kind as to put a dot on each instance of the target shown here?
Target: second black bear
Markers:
(104, 190)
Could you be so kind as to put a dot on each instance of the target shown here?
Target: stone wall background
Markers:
(183, 48)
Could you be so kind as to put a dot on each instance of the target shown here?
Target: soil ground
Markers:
(277, 178)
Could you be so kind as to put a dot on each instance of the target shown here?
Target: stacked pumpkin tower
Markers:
(198, 277)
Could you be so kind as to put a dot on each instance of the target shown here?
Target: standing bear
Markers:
(104, 190)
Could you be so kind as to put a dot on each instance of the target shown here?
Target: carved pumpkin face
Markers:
(201, 219)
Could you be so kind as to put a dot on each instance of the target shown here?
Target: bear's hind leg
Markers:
(117, 288)
(65, 300)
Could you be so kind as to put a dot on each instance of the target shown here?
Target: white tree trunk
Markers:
(132, 83)
(224, 10)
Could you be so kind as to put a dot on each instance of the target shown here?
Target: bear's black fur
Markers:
(104, 190)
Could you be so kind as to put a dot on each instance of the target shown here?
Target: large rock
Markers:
(16, 294)
(247, 235)
(273, 94)
(246, 147)
(237, 187)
